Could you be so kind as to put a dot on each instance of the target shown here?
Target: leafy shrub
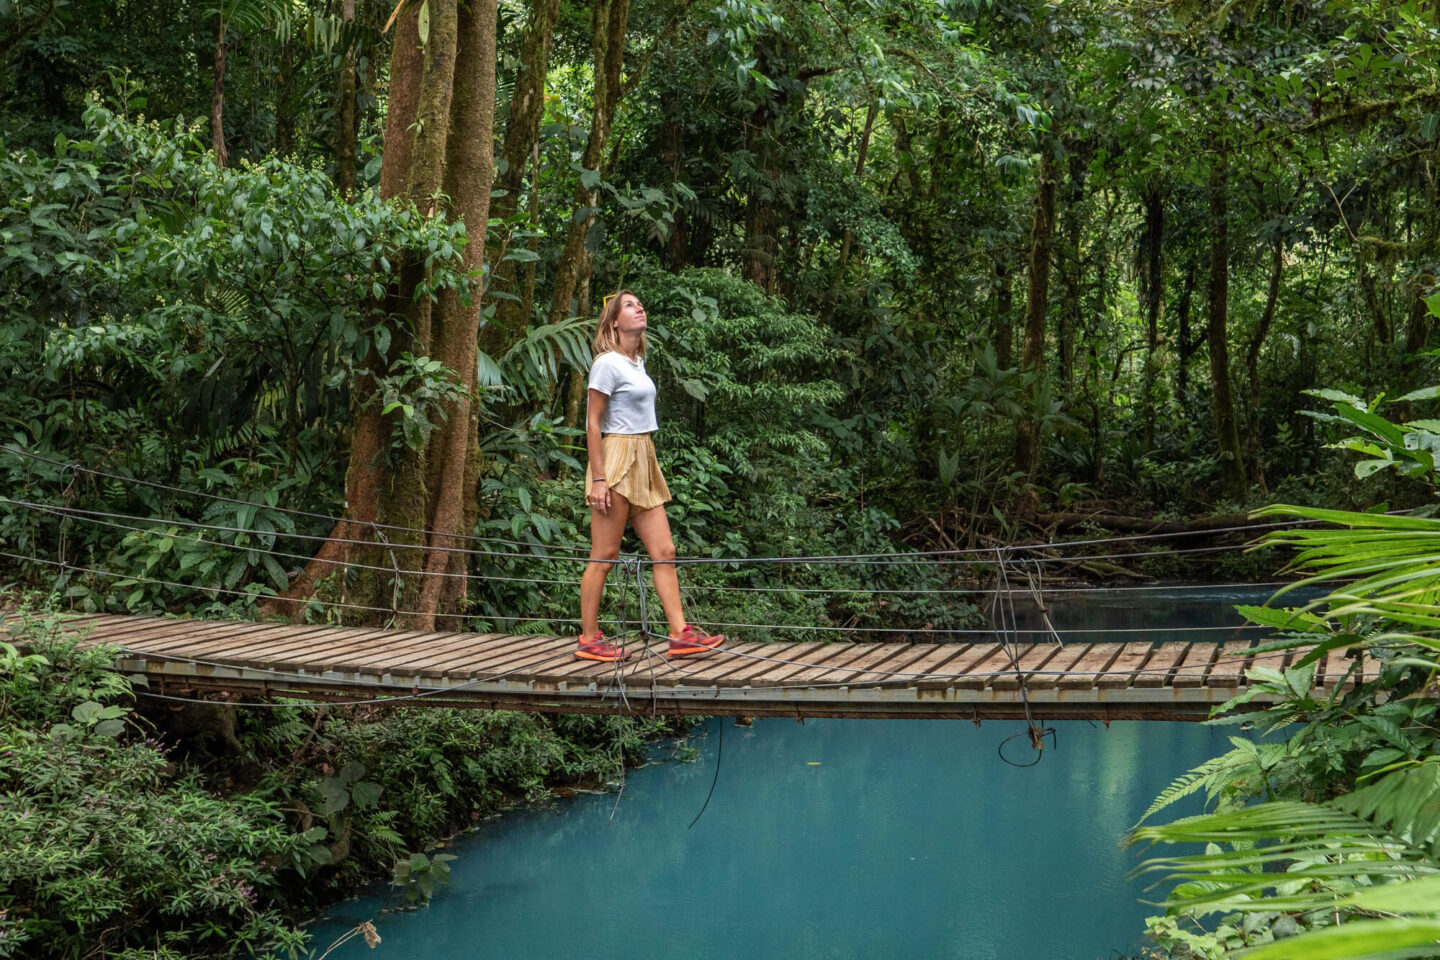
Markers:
(106, 844)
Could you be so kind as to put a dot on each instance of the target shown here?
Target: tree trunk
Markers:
(532, 269)
(1232, 463)
(284, 112)
(672, 152)
(453, 465)
(1417, 331)
(1186, 346)
(522, 139)
(1152, 267)
(859, 172)
(1004, 317)
(1071, 276)
(424, 499)
(217, 100)
(608, 20)
(1252, 364)
(347, 125)
(1364, 257)
(1037, 292)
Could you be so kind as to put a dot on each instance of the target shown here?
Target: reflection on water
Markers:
(832, 839)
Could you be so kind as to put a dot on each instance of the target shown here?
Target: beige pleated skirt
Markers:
(632, 471)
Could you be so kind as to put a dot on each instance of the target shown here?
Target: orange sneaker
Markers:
(692, 641)
(600, 649)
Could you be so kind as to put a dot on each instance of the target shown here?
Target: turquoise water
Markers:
(830, 840)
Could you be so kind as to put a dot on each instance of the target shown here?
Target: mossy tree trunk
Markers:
(438, 153)
(1255, 442)
(607, 22)
(347, 124)
(1037, 300)
(1152, 292)
(521, 140)
(1227, 433)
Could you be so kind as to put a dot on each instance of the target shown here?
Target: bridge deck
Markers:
(1107, 681)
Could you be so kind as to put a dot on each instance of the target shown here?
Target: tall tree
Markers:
(521, 140)
(1227, 431)
(437, 154)
(607, 23)
(1037, 301)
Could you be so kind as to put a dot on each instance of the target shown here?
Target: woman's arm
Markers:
(598, 495)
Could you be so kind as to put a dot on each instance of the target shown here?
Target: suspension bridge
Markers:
(1033, 670)
(980, 679)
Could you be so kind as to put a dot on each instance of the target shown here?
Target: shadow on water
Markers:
(829, 840)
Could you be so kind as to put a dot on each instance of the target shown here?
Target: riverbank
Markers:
(168, 829)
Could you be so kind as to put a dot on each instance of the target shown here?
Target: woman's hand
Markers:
(599, 496)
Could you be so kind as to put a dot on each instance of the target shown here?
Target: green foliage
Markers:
(148, 291)
(1311, 837)
(106, 843)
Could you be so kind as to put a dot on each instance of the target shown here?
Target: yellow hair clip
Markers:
(606, 302)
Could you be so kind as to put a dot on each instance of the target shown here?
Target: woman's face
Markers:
(631, 316)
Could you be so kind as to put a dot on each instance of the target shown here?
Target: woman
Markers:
(623, 483)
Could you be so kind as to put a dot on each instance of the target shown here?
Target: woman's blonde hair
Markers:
(606, 336)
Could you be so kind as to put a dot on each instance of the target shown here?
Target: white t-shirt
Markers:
(631, 391)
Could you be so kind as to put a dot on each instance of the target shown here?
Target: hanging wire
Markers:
(287, 510)
(339, 605)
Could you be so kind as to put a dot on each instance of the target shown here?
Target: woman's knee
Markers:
(605, 556)
(664, 552)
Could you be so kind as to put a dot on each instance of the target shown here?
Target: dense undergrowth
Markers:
(143, 828)
(1326, 844)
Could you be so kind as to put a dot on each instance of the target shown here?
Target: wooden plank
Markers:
(155, 630)
(934, 664)
(312, 650)
(845, 674)
(67, 623)
(1336, 665)
(1161, 665)
(362, 652)
(1228, 668)
(491, 660)
(756, 667)
(634, 670)
(789, 675)
(339, 650)
(575, 668)
(981, 673)
(429, 663)
(183, 646)
(776, 672)
(98, 618)
(201, 646)
(1088, 669)
(510, 657)
(511, 653)
(1121, 671)
(1191, 671)
(714, 668)
(1035, 658)
(463, 662)
(407, 649)
(1369, 666)
(945, 676)
(894, 670)
(1049, 676)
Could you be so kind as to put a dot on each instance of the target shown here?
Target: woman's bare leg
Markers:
(653, 528)
(606, 529)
